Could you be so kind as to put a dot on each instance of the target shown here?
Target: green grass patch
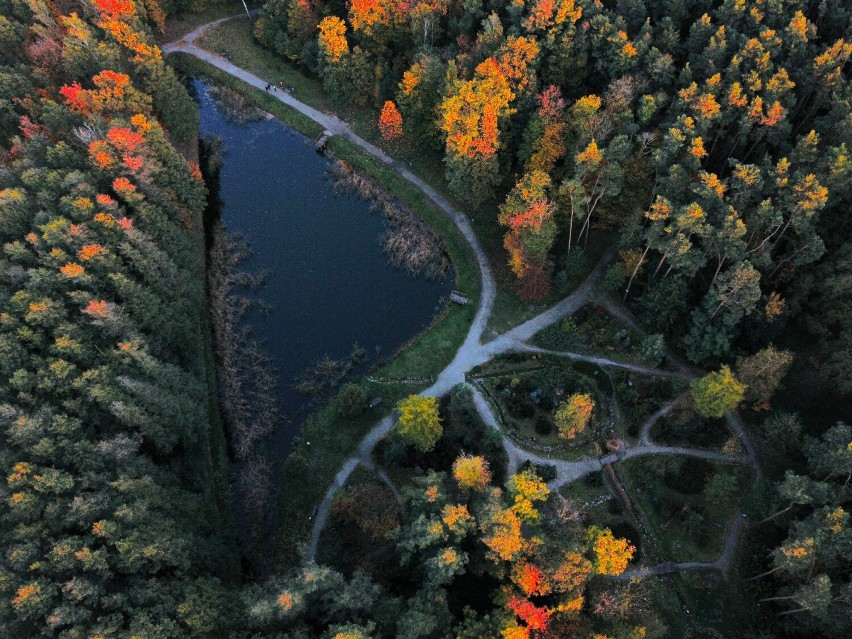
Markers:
(236, 37)
(587, 489)
(326, 441)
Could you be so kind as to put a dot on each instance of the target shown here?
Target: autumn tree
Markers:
(529, 216)
(470, 121)
(390, 122)
(419, 422)
(335, 63)
(572, 416)
(473, 111)
(332, 38)
(471, 472)
(525, 489)
(610, 555)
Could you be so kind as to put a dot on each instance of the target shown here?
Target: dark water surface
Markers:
(330, 285)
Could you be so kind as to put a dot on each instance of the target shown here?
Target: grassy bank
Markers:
(179, 25)
(192, 66)
(327, 439)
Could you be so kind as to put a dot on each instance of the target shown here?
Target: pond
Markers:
(330, 286)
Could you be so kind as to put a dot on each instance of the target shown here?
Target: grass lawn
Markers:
(717, 603)
(687, 525)
(585, 490)
(326, 440)
(180, 25)
(237, 38)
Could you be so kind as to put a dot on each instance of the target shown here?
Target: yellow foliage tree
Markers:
(471, 472)
(526, 488)
(503, 536)
(573, 415)
(610, 555)
(419, 421)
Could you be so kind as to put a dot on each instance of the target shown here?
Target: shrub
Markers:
(543, 425)
(652, 349)
(352, 401)
(615, 278)
(547, 472)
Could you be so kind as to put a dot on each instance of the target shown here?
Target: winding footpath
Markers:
(473, 352)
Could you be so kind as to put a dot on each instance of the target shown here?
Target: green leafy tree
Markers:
(652, 349)
(352, 400)
(716, 393)
(762, 373)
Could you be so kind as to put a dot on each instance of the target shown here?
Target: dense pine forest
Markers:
(704, 142)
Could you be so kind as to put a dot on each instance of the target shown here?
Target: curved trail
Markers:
(473, 352)
(569, 471)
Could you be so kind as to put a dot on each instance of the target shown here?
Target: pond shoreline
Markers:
(449, 322)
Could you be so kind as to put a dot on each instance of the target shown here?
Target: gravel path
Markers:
(645, 432)
(473, 352)
(595, 359)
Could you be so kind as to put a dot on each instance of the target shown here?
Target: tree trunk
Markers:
(780, 512)
(635, 270)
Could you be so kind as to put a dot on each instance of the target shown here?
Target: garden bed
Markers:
(686, 503)
(526, 398)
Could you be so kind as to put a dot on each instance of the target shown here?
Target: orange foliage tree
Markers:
(548, 128)
(332, 38)
(366, 15)
(390, 122)
(528, 213)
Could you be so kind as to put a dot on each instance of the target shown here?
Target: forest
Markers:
(705, 142)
